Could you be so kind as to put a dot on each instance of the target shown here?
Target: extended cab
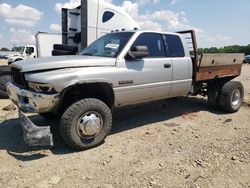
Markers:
(119, 69)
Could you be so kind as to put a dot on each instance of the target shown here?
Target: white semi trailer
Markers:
(88, 22)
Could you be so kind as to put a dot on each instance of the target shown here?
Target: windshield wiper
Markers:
(90, 54)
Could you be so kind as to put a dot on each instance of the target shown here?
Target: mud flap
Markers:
(34, 135)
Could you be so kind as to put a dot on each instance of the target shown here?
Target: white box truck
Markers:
(45, 42)
(43, 47)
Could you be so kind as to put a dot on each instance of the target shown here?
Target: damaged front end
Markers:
(34, 135)
(28, 101)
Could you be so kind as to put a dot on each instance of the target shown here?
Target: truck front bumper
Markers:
(28, 101)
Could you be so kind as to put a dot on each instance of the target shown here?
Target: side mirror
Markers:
(137, 52)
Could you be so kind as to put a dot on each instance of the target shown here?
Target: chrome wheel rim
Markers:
(236, 97)
(89, 125)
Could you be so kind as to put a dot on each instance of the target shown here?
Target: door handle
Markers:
(167, 65)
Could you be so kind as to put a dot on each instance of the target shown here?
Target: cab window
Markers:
(154, 42)
(174, 46)
(107, 16)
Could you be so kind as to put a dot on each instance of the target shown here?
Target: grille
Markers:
(17, 77)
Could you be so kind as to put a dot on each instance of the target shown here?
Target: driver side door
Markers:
(150, 77)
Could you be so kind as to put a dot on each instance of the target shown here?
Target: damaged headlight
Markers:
(41, 88)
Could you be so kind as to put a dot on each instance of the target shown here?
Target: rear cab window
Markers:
(174, 46)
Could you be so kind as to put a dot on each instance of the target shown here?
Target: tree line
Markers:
(13, 49)
(226, 49)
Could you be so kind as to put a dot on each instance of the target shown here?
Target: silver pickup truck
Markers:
(119, 69)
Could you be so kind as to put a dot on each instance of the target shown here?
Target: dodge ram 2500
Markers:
(119, 69)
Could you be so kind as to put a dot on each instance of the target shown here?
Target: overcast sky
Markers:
(217, 22)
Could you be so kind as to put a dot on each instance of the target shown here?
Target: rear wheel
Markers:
(86, 124)
(213, 93)
(231, 96)
(213, 98)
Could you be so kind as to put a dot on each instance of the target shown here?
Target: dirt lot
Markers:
(171, 143)
(3, 62)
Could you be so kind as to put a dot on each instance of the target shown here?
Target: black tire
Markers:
(231, 96)
(65, 47)
(61, 52)
(50, 115)
(213, 98)
(74, 116)
(213, 93)
(5, 77)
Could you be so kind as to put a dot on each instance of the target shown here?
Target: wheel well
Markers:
(101, 91)
(202, 87)
(219, 82)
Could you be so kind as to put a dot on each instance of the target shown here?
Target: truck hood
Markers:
(57, 62)
(13, 55)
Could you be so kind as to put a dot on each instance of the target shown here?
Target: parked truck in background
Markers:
(92, 19)
(119, 69)
(26, 52)
(80, 27)
(43, 47)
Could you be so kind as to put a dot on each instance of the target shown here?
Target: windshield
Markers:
(22, 49)
(109, 45)
(19, 49)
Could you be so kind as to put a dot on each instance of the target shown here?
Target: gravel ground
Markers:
(3, 62)
(172, 143)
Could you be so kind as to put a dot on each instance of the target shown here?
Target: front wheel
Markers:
(86, 124)
(231, 96)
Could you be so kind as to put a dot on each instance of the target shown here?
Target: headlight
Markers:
(41, 88)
